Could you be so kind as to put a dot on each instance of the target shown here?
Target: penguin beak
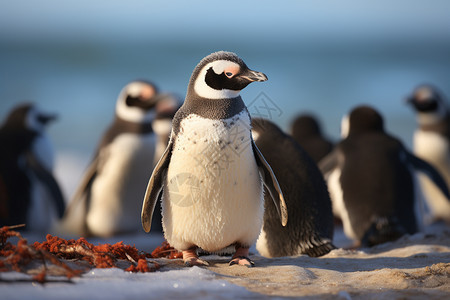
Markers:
(45, 118)
(251, 76)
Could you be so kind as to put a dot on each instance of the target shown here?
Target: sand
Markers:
(414, 267)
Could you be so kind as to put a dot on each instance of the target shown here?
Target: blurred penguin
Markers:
(306, 131)
(370, 180)
(29, 193)
(431, 143)
(166, 108)
(310, 227)
(108, 199)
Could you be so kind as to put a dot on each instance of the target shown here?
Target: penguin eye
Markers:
(229, 74)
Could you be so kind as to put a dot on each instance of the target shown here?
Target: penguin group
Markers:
(213, 179)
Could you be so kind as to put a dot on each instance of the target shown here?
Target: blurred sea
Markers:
(74, 57)
(80, 81)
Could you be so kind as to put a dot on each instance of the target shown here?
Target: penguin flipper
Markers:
(154, 188)
(424, 167)
(49, 181)
(271, 184)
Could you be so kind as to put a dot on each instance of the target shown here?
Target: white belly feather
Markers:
(117, 192)
(42, 213)
(338, 203)
(434, 148)
(213, 194)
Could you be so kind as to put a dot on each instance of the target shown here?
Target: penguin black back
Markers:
(384, 188)
(307, 133)
(15, 140)
(375, 177)
(310, 229)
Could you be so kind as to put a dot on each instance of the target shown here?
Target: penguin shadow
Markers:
(408, 252)
(357, 262)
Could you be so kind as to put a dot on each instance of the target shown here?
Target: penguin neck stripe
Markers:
(215, 109)
(121, 126)
(133, 127)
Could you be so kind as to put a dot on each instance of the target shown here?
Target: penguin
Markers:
(108, 199)
(210, 178)
(29, 193)
(431, 143)
(370, 180)
(310, 228)
(306, 131)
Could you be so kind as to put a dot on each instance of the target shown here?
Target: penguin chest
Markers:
(435, 149)
(42, 213)
(123, 171)
(213, 192)
(44, 152)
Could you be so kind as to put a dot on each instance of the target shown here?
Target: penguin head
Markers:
(165, 109)
(305, 126)
(137, 101)
(362, 119)
(222, 75)
(167, 106)
(428, 103)
(27, 116)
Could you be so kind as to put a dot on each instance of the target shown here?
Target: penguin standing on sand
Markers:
(210, 178)
(108, 199)
(310, 227)
(370, 179)
(29, 192)
(307, 133)
(432, 144)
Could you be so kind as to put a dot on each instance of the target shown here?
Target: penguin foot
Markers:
(241, 258)
(191, 259)
(243, 261)
(196, 262)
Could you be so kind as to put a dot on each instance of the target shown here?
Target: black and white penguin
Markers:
(209, 178)
(306, 131)
(109, 196)
(431, 142)
(310, 227)
(370, 180)
(29, 193)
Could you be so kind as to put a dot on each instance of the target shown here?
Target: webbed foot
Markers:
(241, 258)
(191, 259)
